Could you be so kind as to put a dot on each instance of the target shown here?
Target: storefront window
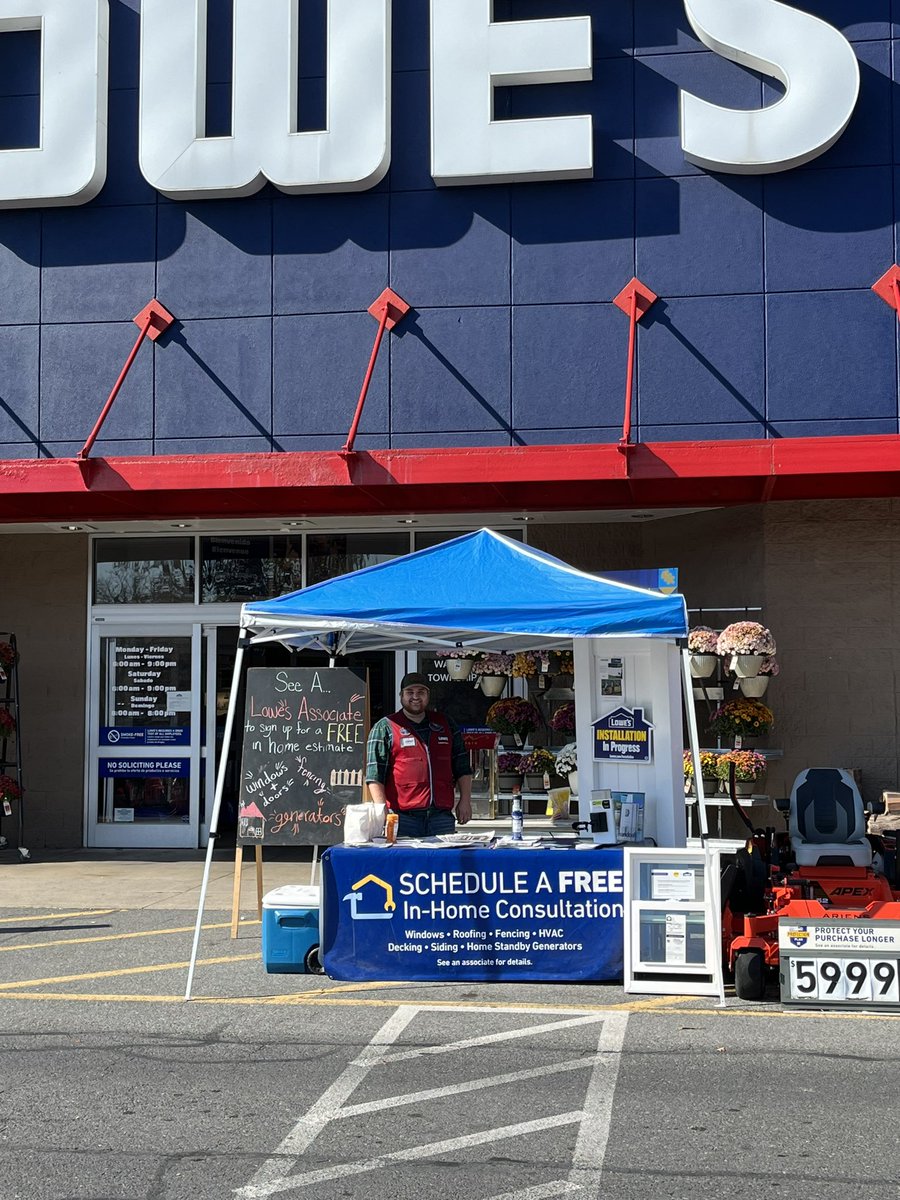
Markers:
(238, 569)
(436, 537)
(329, 555)
(144, 570)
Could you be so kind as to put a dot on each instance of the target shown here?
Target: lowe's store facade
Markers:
(616, 258)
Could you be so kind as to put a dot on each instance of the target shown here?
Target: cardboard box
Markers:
(891, 802)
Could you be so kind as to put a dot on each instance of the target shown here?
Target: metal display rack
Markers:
(12, 811)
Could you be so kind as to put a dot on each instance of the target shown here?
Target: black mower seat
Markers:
(827, 822)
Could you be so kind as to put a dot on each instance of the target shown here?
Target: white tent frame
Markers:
(319, 634)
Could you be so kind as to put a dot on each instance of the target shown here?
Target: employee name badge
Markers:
(407, 741)
(443, 739)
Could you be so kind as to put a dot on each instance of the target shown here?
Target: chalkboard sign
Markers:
(304, 755)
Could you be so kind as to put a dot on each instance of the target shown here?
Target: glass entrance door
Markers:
(145, 736)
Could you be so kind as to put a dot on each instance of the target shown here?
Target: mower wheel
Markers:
(749, 975)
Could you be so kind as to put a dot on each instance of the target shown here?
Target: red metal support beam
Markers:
(152, 321)
(635, 300)
(388, 310)
(465, 479)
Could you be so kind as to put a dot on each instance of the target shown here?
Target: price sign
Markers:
(859, 980)
(839, 962)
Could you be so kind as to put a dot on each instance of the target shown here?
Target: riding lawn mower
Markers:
(825, 866)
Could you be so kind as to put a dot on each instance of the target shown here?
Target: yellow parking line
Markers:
(6, 988)
(325, 999)
(93, 912)
(119, 937)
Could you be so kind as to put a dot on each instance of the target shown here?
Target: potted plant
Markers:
(459, 663)
(742, 718)
(513, 717)
(749, 768)
(509, 771)
(746, 643)
(563, 666)
(535, 766)
(7, 656)
(9, 789)
(756, 686)
(493, 671)
(701, 643)
(7, 724)
(527, 663)
(567, 765)
(563, 719)
(709, 778)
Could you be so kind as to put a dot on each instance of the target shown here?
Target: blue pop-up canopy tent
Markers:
(478, 589)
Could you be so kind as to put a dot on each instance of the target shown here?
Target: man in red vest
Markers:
(415, 762)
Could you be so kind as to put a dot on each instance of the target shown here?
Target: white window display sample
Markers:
(650, 674)
(673, 928)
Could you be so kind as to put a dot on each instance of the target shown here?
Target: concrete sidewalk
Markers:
(122, 879)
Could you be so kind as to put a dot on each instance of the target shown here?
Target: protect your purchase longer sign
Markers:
(414, 913)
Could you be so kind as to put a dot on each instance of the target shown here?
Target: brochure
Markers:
(629, 810)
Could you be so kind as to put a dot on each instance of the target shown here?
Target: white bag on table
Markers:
(364, 822)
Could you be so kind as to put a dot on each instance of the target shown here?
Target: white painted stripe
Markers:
(268, 1178)
(593, 1135)
(475, 1085)
(490, 1039)
(429, 1150)
(541, 1191)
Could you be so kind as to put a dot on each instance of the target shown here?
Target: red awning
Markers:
(459, 480)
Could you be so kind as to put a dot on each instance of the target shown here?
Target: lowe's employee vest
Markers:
(420, 773)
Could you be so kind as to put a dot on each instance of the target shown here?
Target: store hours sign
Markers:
(470, 56)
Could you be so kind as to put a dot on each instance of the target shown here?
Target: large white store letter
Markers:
(811, 58)
(351, 154)
(69, 164)
(470, 56)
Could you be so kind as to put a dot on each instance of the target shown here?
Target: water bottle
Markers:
(518, 820)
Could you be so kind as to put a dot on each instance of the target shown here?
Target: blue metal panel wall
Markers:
(766, 325)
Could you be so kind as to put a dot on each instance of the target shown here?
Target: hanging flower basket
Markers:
(747, 644)
(703, 665)
(458, 667)
(7, 723)
(7, 656)
(493, 685)
(754, 686)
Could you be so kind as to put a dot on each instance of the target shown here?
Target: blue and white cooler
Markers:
(290, 930)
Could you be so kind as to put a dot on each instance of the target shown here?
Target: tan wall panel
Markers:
(43, 601)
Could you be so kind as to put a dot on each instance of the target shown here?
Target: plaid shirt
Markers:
(378, 749)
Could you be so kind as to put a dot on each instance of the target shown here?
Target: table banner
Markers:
(423, 914)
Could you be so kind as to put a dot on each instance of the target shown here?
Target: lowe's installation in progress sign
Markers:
(412, 912)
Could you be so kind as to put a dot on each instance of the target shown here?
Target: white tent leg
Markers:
(713, 920)
(694, 739)
(217, 804)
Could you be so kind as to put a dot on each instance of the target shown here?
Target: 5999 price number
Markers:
(855, 980)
